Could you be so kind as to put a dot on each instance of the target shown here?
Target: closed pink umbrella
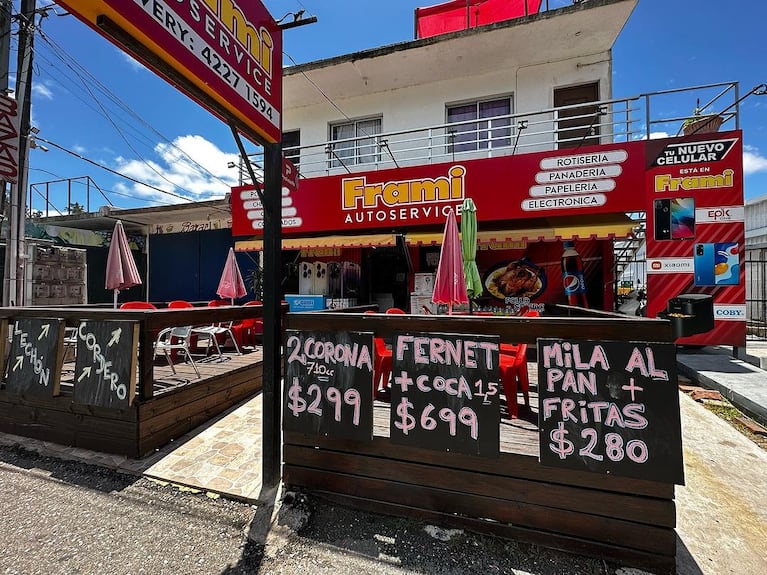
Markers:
(450, 283)
(231, 284)
(122, 272)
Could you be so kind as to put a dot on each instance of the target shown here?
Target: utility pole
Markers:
(5, 55)
(16, 246)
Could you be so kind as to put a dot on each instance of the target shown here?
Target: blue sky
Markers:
(93, 100)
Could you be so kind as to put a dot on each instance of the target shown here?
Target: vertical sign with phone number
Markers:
(329, 384)
(610, 407)
(445, 391)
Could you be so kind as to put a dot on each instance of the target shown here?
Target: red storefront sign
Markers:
(591, 180)
(228, 52)
(695, 229)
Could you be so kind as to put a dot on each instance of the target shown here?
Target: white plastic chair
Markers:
(175, 339)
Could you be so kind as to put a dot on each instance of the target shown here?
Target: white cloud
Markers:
(190, 166)
(659, 135)
(41, 90)
(752, 161)
(131, 61)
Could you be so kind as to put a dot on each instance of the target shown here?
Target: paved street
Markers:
(63, 517)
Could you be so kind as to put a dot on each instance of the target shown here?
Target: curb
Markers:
(754, 410)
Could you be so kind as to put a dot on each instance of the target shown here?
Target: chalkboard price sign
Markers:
(445, 392)
(36, 356)
(329, 384)
(105, 367)
(610, 407)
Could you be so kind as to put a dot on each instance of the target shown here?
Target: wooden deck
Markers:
(179, 403)
(165, 380)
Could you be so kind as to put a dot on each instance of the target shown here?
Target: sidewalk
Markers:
(740, 381)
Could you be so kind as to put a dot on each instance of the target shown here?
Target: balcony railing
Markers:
(644, 116)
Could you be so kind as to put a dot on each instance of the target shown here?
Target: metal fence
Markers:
(756, 292)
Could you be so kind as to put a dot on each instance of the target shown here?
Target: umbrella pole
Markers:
(115, 298)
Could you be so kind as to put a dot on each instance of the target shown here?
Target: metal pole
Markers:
(272, 423)
(24, 94)
(5, 44)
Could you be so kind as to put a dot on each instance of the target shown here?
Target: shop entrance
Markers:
(387, 271)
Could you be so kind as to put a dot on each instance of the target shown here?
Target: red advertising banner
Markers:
(230, 50)
(590, 180)
(464, 14)
(250, 211)
(9, 139)
(695, 229)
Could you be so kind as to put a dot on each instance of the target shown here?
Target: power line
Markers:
(82, 73)
(110, 170)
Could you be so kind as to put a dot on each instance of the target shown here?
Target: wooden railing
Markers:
(150, 323)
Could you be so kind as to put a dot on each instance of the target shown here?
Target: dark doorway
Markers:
(577, 126)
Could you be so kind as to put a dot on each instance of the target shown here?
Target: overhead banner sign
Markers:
(226, 54)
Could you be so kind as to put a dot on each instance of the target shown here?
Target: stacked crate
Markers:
(55, 276)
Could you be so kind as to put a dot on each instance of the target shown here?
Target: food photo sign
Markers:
(610, 407)
(329, 384)
(444, 392)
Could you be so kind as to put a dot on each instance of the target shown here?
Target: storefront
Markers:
(527, 207)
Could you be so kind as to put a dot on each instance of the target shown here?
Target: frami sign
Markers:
(229, 50)
(603, 179)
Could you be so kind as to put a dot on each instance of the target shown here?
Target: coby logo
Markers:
(730, 312)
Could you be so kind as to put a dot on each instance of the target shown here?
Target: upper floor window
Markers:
(355, 142)
(291, 144)
(479, 125)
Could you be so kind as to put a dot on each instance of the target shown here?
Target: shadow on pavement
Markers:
(685, 562)
(72, 472)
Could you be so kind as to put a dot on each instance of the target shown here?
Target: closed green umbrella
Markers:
(469, 244)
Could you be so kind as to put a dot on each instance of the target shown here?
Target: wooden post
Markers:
(271, 449)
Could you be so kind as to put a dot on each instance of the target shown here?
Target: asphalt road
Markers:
(64, 517)
(60, 517)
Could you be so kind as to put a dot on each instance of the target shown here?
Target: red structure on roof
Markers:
(463, 14)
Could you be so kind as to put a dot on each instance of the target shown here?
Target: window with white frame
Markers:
(355, 142)
(479, 125)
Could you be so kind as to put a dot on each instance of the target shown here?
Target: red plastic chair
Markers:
(247, 330)
(395, 310)
(179, 304)
(514, 376)
(381, 365)
(137, 305)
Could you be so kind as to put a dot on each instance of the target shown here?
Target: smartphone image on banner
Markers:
(674, 219)
(662, 221)
(717, 264)
(682, 218)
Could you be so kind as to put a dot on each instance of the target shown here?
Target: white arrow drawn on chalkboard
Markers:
(115, 337)
(86, 372)
(19, 362)
(44, 331)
